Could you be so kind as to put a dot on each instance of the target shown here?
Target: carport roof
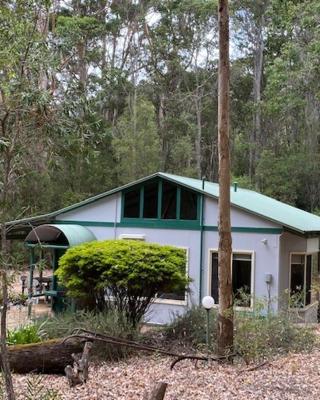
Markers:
(75, 234)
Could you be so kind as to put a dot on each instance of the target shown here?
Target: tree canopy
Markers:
(89, 88)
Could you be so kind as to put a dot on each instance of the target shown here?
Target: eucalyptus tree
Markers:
(25, 112)
(225, 314)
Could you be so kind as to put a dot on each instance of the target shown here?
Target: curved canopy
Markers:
(60, 235)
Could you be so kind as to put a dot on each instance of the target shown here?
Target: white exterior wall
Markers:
(103, 210)
(239, 218)
(265, 260)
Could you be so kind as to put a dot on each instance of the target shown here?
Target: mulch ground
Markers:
(295, 376)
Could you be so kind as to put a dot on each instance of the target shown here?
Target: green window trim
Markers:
(168, 224)
(159, 209)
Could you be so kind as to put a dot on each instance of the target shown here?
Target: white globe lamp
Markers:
(208, 302)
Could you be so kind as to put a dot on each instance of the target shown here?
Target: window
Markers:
(132, 204)
(150, 200)
(169, 201)
(161, 200)
(188, 208)
(241, 278)
(300, 279)
(179, 295)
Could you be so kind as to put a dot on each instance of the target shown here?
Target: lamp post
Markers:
(208, 303)
(23, 279)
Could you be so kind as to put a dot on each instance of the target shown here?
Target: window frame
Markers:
(159, 219)
(253, 268)
(184, 302)
(305, 254)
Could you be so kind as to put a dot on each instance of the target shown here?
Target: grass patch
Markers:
(109, 323)
(24, 335)
(256, 337)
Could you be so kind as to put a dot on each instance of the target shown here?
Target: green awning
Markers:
(59, 235)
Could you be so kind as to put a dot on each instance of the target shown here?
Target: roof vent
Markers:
(235, 186)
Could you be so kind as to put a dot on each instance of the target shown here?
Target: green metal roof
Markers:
(248, 200)
(75, 234)
(258, 204)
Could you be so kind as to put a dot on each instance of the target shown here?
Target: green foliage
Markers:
(136, 143)
(109, 323)
(256, 336)
(24, 335)
(190, 328)
(131, 273)
(259, 337)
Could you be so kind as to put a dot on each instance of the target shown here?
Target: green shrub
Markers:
(129, 272)
(108, 323)
(259, 337)
(190, 328)
(24, 335)
(256, 337)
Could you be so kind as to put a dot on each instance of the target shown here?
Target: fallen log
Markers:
(49, 357)
(85, 334)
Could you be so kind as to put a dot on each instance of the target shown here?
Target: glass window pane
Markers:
(297, 259)
(297, 285)
(150, 204)
(241, 278)
(214, 278)
(132, 204)
(169, 201)
(188, 207)
(179, 294)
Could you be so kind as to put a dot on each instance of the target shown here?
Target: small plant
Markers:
(190, 328)
(37, 391)
(18, 299)
(24, 335)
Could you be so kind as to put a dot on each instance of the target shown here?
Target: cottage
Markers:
(275, 246)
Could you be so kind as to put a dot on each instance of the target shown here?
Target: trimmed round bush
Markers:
(125, 274)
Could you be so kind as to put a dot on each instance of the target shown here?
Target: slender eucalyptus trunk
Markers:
(3, 320)
(256, 132)
(198, 106)
(225, 316)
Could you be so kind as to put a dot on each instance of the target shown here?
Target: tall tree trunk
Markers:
(256, 133)
(3, 323)
(225, 317)
(198, 106)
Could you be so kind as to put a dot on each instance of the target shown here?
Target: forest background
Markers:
(95, 94)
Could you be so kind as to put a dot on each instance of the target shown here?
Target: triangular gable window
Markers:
(160, 200)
